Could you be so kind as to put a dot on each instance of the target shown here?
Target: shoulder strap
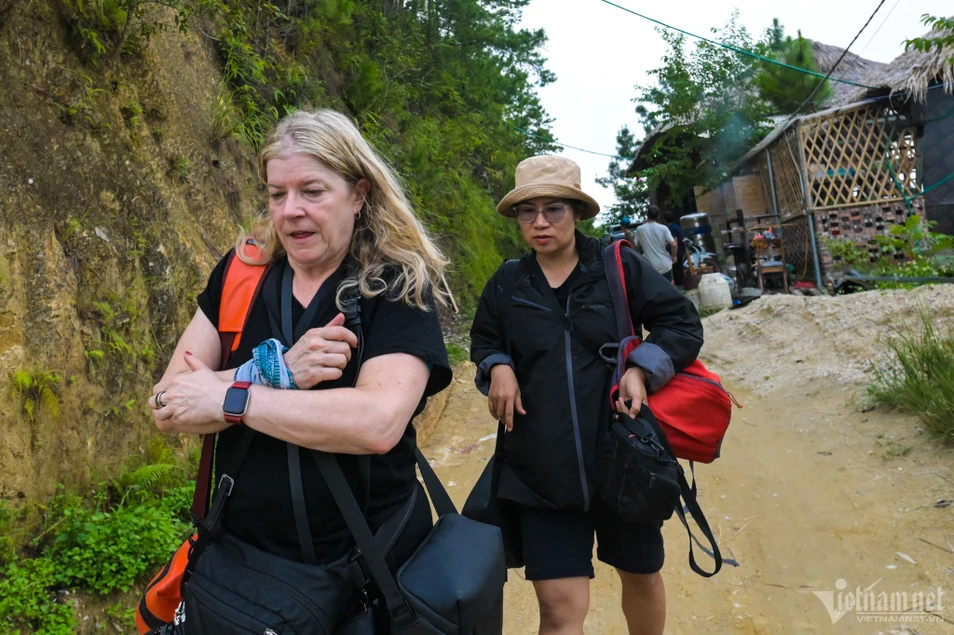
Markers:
(616, 277)
(369, 549)
(241, 283)
(509, 282)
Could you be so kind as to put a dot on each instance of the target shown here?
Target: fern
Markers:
(143, 480)
(36, 388)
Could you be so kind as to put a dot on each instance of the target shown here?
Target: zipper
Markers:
(714, 383)
(573, 414)
(517, 300)
(281, 586)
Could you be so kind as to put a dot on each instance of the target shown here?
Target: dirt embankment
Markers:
(809, 491)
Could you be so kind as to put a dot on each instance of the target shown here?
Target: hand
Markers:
(632, 392)
(190, 402)
(321, 354)
(504, 396)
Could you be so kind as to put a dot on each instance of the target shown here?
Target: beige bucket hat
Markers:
(547, 176)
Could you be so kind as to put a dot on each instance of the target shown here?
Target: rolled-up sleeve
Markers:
(487, 342)
(675, 329)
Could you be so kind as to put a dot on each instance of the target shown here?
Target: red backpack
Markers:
(693, 408)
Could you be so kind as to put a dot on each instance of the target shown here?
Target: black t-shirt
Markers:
(563, 290)
(260, 510)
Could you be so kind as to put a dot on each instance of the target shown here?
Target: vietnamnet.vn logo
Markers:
(872, 605)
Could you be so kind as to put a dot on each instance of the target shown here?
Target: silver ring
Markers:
(159, 404)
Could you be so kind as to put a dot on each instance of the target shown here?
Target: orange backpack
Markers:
(241, 284)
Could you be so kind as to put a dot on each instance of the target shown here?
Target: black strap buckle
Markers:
(226, 483)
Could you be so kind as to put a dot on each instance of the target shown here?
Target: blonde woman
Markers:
(337, 220)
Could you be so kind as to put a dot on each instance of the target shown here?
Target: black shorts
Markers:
(559, 544)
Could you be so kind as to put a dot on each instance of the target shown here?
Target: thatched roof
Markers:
(853, 69)
(912, 72)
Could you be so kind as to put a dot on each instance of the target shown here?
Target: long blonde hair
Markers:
(388, 238)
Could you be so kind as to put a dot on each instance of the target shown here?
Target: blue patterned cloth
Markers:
(267, 367)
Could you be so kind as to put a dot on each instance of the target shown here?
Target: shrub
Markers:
(919, 378)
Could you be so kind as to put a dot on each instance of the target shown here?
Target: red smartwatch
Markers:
(236, 402)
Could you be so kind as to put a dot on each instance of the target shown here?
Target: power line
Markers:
(878, 30)
(814, 92)
(734, 48)
(564, 145)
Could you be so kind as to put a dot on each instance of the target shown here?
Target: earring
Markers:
(358, 215)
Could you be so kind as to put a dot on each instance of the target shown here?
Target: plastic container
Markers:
(714, 292)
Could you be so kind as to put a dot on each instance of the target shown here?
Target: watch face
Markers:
(236, 401)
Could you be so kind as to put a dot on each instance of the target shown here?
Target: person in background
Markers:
(549, 388)
(676, 231)
(653, 238)
(626, 223)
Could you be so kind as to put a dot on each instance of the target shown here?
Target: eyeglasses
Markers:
(552, 213)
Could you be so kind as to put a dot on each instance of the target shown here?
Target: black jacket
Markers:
(564, 383)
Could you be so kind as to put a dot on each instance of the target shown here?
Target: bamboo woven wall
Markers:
(788, 176)
(798, 248)
(861, 156)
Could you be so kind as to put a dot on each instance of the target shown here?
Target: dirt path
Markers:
(808, 491)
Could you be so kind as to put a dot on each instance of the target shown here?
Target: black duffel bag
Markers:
(639, 477)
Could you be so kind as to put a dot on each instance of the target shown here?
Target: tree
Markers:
(943, 37)
(785, 89)
(704, 108)
(631, 194)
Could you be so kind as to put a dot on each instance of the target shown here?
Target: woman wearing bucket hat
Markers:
(547, 384)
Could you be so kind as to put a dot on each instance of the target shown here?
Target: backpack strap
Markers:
(241, 284)
(616, 277)
(509, 282)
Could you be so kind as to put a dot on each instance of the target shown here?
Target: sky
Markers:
(599, 53)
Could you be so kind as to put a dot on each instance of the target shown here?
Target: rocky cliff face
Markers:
(116, 199)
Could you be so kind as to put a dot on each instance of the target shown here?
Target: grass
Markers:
(456, 353)
(919, 377)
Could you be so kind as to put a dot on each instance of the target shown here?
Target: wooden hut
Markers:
(877, 156)
(924, 84)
